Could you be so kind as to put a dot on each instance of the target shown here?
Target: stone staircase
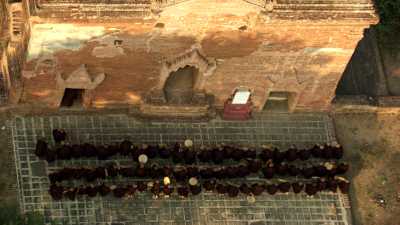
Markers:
(109, 2)
(166, 3)
(95, 9)
(324, 9)
(17, 22)
(281, 9)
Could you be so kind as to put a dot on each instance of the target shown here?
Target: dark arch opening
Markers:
(72, 97)
(179, 86)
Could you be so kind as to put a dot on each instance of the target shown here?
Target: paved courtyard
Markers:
(205, 209)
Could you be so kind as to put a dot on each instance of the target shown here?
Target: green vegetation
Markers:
(10, 215)
(389, 24)
(389, 12)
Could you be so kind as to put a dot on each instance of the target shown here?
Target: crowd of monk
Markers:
(195, 170)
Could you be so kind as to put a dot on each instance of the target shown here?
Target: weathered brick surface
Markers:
(13, 49)
(3, 17)
(270, 55)
(78, 9)
(279, 56)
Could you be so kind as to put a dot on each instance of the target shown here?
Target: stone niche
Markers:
(179, 86)
(180, 90)
(75, 89)
(280, 101)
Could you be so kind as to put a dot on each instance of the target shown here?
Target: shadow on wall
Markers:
(364, 73)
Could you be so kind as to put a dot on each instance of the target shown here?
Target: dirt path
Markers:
(372, 142)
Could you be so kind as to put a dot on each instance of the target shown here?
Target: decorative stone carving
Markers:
(155, 104)
(79, 79)
(192, 57)
(16, 22)
(269, 5)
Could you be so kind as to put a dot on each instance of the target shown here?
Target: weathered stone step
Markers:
(318, 14)
(84, 10)
(92, 14)
(344, 7)
(91, 6)
(96, 2)
(67, 10)
(325, 2)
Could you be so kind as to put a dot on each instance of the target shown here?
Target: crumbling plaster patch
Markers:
(47, 39)
(107, 48)
(195, 17)
(108, 51)
(155, 33)
(45, 65)
(269, 69)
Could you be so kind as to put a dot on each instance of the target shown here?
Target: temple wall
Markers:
(283, 9)
(252, 47)
(274, 57)
(3, 43)
(3, 15)
(14, 44)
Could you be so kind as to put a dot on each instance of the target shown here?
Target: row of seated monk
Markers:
(165, 189)
(181, 173)
(185, 153)
(268, 163)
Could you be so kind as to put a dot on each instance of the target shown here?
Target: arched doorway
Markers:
(179, 87)
(72, 97)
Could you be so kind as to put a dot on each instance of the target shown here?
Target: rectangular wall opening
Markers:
(72, 97)
(279, 101)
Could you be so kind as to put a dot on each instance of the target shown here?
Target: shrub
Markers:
(389, 24)
(10, 215)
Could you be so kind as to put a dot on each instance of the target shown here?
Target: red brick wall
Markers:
(3, 16)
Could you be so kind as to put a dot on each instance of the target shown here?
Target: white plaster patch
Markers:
(154, 34)
(108, 47)
(46, 39)
(109, 51)
(106, 39)
(316, 51)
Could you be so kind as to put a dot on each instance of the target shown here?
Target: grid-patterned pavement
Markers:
(207, 208)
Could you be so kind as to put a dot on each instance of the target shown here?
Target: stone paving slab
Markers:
(207, 208)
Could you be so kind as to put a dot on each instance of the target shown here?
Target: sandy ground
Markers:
(372, 142)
